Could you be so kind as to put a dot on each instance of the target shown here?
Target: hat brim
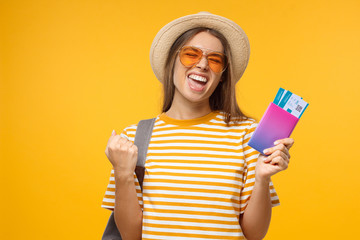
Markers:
(238, 41)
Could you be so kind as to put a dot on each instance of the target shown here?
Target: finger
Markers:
(267, 160)
(122, 140)
(115, 142)
(122, 143)
(285, 150)
(288, 142)
(283, 156)
(282, 164)
(128, 145)
(279, 161)
(133, 149)
(276, 154)
(113, 134)
(280, 147)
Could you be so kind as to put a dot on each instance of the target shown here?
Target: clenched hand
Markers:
(122, 154)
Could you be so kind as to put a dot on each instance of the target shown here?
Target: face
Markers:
(196, 84)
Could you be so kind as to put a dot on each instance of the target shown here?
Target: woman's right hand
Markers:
(122, 154)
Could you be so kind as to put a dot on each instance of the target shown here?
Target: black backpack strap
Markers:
(142, 139)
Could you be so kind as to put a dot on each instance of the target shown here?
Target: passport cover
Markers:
(274, 125)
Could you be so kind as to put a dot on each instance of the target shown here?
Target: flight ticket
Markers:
(290, 102)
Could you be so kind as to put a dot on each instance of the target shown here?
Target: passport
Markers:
(279, 120)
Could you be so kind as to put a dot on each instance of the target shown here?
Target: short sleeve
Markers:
(251, 157)
(108, 201)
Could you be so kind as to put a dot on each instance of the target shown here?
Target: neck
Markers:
(188, 110)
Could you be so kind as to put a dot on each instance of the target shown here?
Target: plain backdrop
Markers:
(72, 71)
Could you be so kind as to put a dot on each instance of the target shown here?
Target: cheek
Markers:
(179, 72)
(217, 79)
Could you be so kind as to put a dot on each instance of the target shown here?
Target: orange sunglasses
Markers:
(189, 56)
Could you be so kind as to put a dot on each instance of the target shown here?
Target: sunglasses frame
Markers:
(206, 56)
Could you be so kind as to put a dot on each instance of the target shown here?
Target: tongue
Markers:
(196, 85)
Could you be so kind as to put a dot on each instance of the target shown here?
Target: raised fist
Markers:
(122, 154)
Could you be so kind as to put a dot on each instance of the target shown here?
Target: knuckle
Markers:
(111, 147)
(277, 152)
(286, 166)
(123, 148)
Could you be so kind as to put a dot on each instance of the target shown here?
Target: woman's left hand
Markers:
(276, 159)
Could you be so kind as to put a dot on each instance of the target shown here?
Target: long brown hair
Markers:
(223, 97)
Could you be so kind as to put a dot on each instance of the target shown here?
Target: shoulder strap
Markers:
(142, 139)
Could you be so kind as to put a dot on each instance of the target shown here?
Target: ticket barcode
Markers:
(298, 108)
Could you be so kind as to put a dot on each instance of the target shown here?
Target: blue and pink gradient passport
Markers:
(279, 120)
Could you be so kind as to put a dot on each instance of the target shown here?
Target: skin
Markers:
(127, 212)
(189, 104)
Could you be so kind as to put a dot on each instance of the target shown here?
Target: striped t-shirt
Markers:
(199, 177)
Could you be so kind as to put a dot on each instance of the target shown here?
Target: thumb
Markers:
(113, 133)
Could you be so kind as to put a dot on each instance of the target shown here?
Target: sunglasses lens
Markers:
(190, 56)
(216, 62)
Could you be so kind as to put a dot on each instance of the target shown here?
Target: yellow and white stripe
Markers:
(199, 177)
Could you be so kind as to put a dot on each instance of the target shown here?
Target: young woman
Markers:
(202, 180)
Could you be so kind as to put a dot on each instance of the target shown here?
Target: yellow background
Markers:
(72, 71)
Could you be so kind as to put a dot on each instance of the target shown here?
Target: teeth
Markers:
(198, 78)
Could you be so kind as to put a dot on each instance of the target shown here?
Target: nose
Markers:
(203, 63)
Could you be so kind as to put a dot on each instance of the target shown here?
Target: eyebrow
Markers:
(212, 51)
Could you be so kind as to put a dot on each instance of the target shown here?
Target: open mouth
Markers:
(197, 82)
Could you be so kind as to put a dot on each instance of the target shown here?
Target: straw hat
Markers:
(238, 41)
